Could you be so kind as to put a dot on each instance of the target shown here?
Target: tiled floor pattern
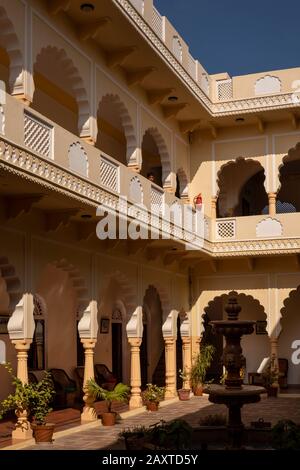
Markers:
(271, 409)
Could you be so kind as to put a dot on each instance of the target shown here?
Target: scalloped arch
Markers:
(163, 153)
(164, 298)
(237, 161)
(12, 281)
(292, 155)
(183, 184)
(74, 81)
(129, 130)
(127, 293)
(10, 42)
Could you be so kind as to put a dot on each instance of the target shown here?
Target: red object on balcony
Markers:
(198, 201)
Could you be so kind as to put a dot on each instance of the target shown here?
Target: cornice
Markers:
(224, 108)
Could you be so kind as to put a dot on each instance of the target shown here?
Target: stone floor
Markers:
(99, 437)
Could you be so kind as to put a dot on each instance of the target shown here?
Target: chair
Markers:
(255, 378)
(104, 377)
(283, 366)
(65, 388)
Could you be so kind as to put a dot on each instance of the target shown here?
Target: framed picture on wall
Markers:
(104, 325)
(261, 327)
(3, 324)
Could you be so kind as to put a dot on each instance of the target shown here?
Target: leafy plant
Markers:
(270, 377)
(201, 364)
(135, 431)
(184, 374)
(154, 393)
(119, 393)
(286, 435)
(173, 435)
(34, 398)
(213, 420)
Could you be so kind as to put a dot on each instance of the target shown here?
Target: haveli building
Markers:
(94, 98)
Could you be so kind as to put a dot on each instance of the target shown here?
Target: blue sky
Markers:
(238, 37)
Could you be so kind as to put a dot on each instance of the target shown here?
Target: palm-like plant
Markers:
(119, 393)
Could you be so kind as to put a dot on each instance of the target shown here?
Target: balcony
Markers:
(42, 151)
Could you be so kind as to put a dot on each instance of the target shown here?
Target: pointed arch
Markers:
(50, 57)
(12, 281)
(10, 42)
(127, 125)
(127, 294)
(233, 180)
(288, 181)
(163, 154)
(183, 184)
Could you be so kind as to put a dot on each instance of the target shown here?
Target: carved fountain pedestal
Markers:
(233, 394)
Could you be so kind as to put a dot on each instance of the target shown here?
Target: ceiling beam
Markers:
(58, 218)
(189, 125)
(118, 56)
(22, 204)
(55, 6)
(173, 109)
(134, 77)
(260, 125)
(91, 30)
(158, 95)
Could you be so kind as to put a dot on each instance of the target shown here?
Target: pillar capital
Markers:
(135, 342)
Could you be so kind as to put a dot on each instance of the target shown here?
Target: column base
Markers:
(24, 432)
(135, 402)
(170, 394)
(88, 414)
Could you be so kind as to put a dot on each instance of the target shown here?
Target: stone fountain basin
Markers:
(245, 394)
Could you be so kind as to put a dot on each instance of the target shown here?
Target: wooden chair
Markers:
(104, 377)
(65, 389)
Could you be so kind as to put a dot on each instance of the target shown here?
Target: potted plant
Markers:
(270, 381)
(35, 399)
(152, 396)
(134, 437)
(119, 393)
(184, 393)
(200, 366)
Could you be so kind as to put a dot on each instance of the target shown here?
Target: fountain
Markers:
(233, 394)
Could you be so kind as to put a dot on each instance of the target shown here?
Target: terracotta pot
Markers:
(183, 394)
(43, 432)
(152, 406)
(272, 391)
(198, 391)
(108, 419)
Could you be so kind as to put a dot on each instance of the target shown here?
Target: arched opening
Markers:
(179, 359)
(111, 137)
(289, 328)
(155, 158)
(116, 135)
(181, 184)
(288, 198)
(241, 189)
(153, 339)
(255, 347)
(117, 342)
(59, 92)
(11, 62)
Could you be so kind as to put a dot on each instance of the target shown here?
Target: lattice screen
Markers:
(157, 23)
(37, 135)
(157, 198)
(138, 5)
(224, 89)
(109, 174)
(177, 48)
(192, 67)
(225, 229)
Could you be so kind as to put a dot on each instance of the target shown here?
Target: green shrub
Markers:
(286, 435)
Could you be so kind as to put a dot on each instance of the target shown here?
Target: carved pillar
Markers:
(170, 390)
(88, 412)
(135, 373)
(23, 429)
(274, 354)
(272, 204)
(88, 329)
(214, 207)
(186, 359)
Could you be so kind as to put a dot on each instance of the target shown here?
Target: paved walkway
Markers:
(100, 437)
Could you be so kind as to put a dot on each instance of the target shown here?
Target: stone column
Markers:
(186, 359)
(274, 354)
(170, 390)
(272, 204)
(88, 412)
(214, 200)
(135, 373)
(23, 429)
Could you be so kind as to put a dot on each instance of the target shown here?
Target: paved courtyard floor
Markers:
(100, 437)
